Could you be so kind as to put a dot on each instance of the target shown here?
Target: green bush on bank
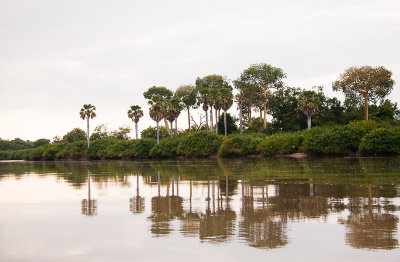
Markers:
(200, 144)
(381, 141)
(168, 147)
(240, 145)
(283, 143)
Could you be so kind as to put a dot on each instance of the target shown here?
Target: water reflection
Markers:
(89, 205)
(251, 202)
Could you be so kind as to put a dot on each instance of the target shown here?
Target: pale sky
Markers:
(56, 56)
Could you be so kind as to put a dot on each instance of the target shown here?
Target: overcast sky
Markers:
(57, 55)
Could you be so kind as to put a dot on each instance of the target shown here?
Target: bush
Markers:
(143, 146)
(280, 144)
(230, 125)
(151, 132)
(76, 150)
(201, 143)
(240, 145)
(381, 141)
(167, 147)
(118, 149)
(75, 134)
(98, 149)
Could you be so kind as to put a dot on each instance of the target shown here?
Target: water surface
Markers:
(331, 209)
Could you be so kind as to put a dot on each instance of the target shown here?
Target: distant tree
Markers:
(308, 103)
(121, 133)
(365, 83)
(41, 142)
(204, 99)
(188, 96)
(157, 111)
(160, 93)
(87, 112)
(75, 134)
(230, 125)
(227, 101)
(174, 108)
(151, 132)
(135, 113)
(265, 77)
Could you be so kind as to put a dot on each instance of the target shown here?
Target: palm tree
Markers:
(188, 95)
(157, 112)
(308, 102)
(227, 101)
(240, 99)
(204, 98)
(135, 113)
(87, 112)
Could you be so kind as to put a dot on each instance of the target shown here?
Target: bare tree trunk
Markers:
(136, 129)
(366, 105)
(176, 126)
(88, 137)
(265, 108)
(226, 131)
(261, 117)
(309, 121)
(211, 119)
(216, 122)
(189, 120)
(207, 119)
(158, 133)
(240, 119)
(172, 128)
(250, 121)
(166, 126)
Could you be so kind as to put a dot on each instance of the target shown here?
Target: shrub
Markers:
(230, 124)
(280, 144)
(201, 143)
(118, 149)
(151, 132)
(167, 147)
(75, 134)
(98, 148)
(240, 145)
(381, 141)
(75, 150)
(143, 146)
(36, 153)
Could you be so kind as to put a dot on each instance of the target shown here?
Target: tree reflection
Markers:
(137, 205)
(367, 227)
(259, 226)
(217, 225)
(164, 209)
(89, 206)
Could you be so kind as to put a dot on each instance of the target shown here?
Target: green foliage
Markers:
(75, 134)
(283, 143)
(151, 132)
(230, 124)
(143, 146)
(15, 144)
(240, 145)
(75, 151)
(381, 141)
(167, 147)
(99, 148)
(200, 144)
(41, 142)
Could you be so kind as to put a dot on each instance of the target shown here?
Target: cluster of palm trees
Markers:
(213, 93)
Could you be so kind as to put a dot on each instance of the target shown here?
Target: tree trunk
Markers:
(206, 119)
(366, 105)
(189, 120)
(226, 131)
(265, 107)
(250, 121)
(261, 117)
(240, 119)
(158, 133)
(216, 121)
(166, 126)
(88, 137)
(136, 129)
(172, 128)
(211, 119)
(309, 121)
(176, 126)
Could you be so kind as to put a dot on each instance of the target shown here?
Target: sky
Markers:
(56, 56)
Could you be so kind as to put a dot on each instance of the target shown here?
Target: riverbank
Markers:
(355, 139)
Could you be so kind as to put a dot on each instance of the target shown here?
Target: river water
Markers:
(275, 209)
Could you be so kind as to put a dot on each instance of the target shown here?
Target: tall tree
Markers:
(87, 112)
(365, 83)
(308, 103)
(174, 108)
(157, 111)
(135, 113)
(265, 77)
(188, 96)
(204, 99)
(227, 101)
(161, 92)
